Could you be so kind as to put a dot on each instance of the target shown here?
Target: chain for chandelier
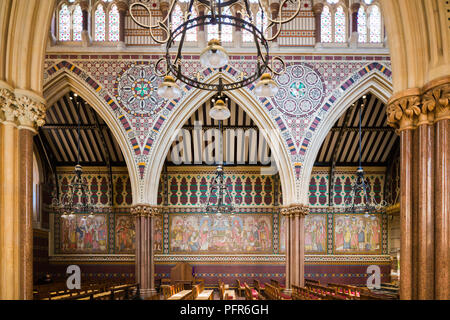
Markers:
(361, 188)
(219, 200)
(214, 56)
(77, 198)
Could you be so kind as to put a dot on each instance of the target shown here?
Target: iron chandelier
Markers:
(361, 188)
(214, 55)
(77, 199)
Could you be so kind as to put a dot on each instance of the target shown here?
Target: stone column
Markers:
(422, 122)
(317, 9)
(20, 116)
(274, 9)
(295, 246)
(145, 274)
(86, 37)
(201, 36)
(436, 98)
(354, 24)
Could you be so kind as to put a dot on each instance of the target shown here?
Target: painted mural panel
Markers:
(203, 234)
(354, 233)
(125, 233)
(79, 235)
(316, 233)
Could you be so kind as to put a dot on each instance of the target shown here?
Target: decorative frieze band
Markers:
(146, 210)
(296, 209)
(415, 107)
(22, 110)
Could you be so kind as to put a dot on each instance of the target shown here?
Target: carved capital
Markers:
(294, 210)
(31, 114)
(122, 5)
(84, 5)
(436, 100)
(164, 7)
(146, 210)
(355, 7)
(402, 113)
(8, 105)
(317, 9)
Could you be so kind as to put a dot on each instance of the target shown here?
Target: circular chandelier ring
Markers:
(161, 24)
(173, 65)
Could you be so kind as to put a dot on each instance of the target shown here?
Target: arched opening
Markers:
(188, 232)
(360, 235)
(74, 133)
(186, 108)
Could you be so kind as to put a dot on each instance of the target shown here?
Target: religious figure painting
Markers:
(354, 233)
(316, 233)
(228, 234)
(84, 235)
(125, 234)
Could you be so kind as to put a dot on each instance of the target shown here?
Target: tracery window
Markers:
(227, 30)
(191, 34)
(260, 22)
(176, 19)
(106, 21)
(375, 24)
(362, 25)
(334, 22)
(326, 29)
(100, 24)
(339, 25)
(369, 23)
(114, 26)
(70, 22)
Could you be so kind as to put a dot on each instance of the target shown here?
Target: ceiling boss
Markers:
(215, 56)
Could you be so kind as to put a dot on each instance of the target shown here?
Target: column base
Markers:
(147, 293)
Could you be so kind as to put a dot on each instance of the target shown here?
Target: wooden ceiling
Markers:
(379, 140)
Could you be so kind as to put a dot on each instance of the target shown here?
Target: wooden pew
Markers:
(225, 293)
(303, 293)
(311, 281)
(250, 294)
(258, 286)
(240, 288)
(199, 292)
(274, 293)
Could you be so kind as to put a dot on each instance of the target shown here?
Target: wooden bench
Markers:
(303, 293)
(240, 288)
(311, 281)
(258, 286)
(225, 293)
(276, 283)
(250, 294)
(274, 293)
(199, 292)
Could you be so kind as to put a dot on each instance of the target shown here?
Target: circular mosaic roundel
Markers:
(301, 91)
(136, 90)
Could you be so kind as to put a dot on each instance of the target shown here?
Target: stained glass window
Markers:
(227, 30)
(77, 23)
(362, 25)
(375, 24)
(64, 23)
(100, 32)
(332, 1)
(326, 25)
(339, 25)
(114, 26)
(261, 21)
(191, 34)
(368, 1)
(177, 19)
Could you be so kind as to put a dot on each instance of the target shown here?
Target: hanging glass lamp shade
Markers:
(168, 89)
(219, 111)
(214, 55)
(266, 87)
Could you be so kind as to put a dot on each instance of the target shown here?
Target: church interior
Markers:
(224, 149)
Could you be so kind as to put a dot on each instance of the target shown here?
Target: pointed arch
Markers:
(67, 81)
(374, 83)
(187, 107)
